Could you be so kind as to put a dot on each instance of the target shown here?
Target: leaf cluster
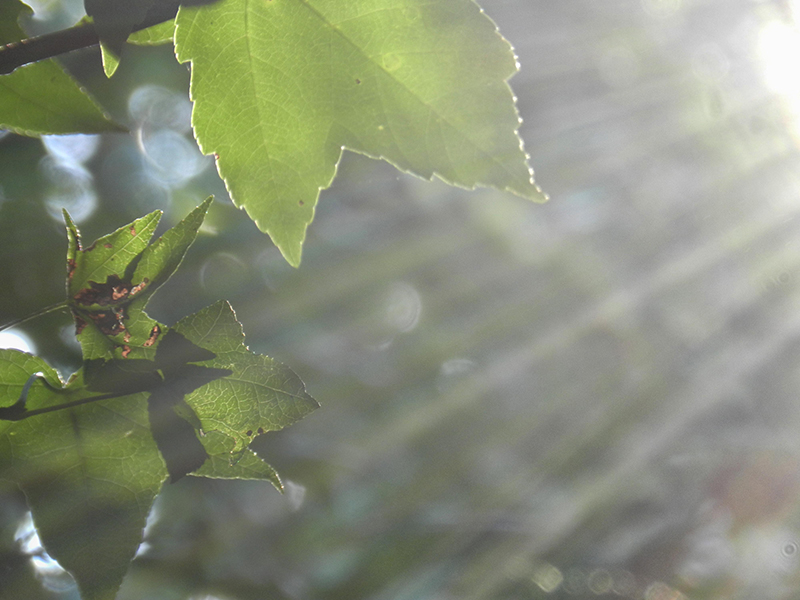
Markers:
(150, 405)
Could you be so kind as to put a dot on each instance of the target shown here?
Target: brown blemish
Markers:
(71, 265)
(126, 350)
(119, 291)
(138, 288)
(249, 432)
(107, 245)
(133, 230)
(79, 323)
(358, 81)
(154, 333)
(127, 337)
(112, 291)
(301, 203)
(109, 322)
(260, 430)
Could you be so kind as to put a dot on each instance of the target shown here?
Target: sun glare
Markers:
(779, 49)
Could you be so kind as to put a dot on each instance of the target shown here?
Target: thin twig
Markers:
(38, 313)
(17, 54)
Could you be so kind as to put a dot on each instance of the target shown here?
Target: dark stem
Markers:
(38, 313)
(47, 409)
(17, 54)
(18, 412)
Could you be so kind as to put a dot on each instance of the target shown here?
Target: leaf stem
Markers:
(83, 35)
(38, 313)
(73, 403)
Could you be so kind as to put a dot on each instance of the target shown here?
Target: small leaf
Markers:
(92, 455)
(41, 98)
(109, 257)
(281, 87)
(99, 286)
(110, 59)
(221, 464)
(159, 260)
(260, 395)
(155, 35)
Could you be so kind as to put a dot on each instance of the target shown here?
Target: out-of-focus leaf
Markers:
(89, 474)
(41, 98)
(281, 87)
(114, 20)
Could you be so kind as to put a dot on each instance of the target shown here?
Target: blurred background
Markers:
(598, 397)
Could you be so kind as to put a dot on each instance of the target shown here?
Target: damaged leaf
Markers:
(150, 405)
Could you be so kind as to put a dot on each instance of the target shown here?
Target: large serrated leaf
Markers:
(281, 86)
(41, 98)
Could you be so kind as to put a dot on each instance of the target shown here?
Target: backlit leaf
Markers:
(281, 86)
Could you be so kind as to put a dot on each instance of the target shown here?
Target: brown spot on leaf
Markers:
(260, 430)
(110, 322)
(79, 323)
(107, 245)
(249, 432)
(138, 288)
(133, 230)
(154, 333)
(126, 350)
(118, 292)
(127, 337)
(112, 291)
(71, 267)
(358, 81)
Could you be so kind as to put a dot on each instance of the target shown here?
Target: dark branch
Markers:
(17, 54)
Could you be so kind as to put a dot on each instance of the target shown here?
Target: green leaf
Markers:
(260, 395)
(109, 283)
(155, 35)
(110, 59)
(91, 470)
(159, 260)
(89, 474)
(99, 286)
(109, 256)
(221, 464)
(41, 98)
(281, 86)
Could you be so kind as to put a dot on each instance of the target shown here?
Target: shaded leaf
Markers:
(110, 282)
(89, 474)
(114, 20)
(260, 395)
(41, 98)
(281, 86)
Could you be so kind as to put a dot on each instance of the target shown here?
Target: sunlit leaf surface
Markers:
(280, 87)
